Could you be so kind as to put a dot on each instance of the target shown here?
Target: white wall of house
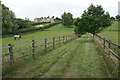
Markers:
(44, 20)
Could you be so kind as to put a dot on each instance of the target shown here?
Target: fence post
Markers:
(33, 46)
(104, 43)
(59, 40)
(119, 71)
(45, 44)
(109, 47)
(63, 39)
(53, 42)
(119, 67)
(66, 38)
(71, 37)
(10, 52)
(74, 36)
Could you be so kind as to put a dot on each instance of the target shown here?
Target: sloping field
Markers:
(112, 32)
(79, 58)
(55, 31)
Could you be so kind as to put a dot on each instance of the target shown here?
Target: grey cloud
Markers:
(38, 8)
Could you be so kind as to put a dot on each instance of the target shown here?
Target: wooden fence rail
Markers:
(103, 42)
(54, 42)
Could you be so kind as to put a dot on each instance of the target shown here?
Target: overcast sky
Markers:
(43, 8)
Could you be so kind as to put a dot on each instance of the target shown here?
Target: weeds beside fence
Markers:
(114, 56)
(42, 45)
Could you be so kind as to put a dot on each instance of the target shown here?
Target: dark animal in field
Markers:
(17, 36)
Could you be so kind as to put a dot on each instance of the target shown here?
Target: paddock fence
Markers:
(112, 50)
(13, 54)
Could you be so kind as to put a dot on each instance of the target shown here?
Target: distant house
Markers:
(44, 20)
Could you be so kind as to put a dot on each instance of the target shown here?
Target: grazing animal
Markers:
(17, 36)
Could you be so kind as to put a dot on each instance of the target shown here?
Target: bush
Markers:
(30, 29)
(38, 23)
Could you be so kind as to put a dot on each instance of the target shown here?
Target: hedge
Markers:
(30, 29)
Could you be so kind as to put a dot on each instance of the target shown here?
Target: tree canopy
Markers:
(112, 18)
(10, 23)
(67, 19)
(93, 20)
(8, 19)
(118, 17)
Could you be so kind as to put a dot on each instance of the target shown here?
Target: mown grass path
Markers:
(76, 59)
(84, 61)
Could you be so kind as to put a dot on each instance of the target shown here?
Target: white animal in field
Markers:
(17, 36)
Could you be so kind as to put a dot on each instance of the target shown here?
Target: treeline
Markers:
(38, 23)
(13, 25)
(33, 28)
(93, 20)
(67, 19)
(10, 23)
(116, 18)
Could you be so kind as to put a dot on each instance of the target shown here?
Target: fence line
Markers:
(103, 42)
(61, 40)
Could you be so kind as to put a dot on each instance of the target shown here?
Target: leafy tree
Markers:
(10, 23)
(41, 17)
(79, 29)
(67, 19)
(94, 20)
(118, 17)
(53, 17)
(8, 20)
(112, 18)
(48, 17)
(57, 19)
(23, 23)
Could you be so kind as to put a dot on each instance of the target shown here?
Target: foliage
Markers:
(118, 17)
(10, 23)
(38, 23)
(48, 17)
(57, 19)
(23, 23)
(67, 19)
(31, 29)
(8, 20)
(94, 20)
(112, 18)
(53, 17)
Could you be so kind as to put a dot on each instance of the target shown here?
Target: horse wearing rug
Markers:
(17, 36)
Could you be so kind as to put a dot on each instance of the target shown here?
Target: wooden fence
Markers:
(54, 41)
(107, 45)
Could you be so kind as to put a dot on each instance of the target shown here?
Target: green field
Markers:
(80, 58)
(55, 31)
(111, 33)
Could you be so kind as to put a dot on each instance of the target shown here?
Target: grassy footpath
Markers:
(84, 61)
(79, 58)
